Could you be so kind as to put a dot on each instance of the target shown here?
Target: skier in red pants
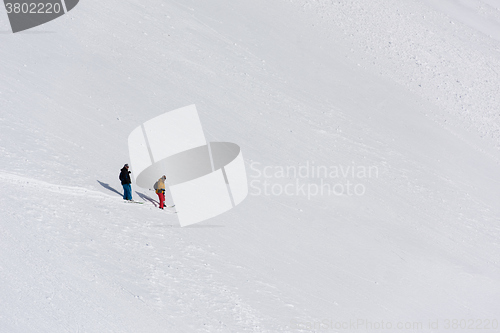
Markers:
(160, 190)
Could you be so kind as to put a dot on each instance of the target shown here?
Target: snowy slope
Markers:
(406, 88)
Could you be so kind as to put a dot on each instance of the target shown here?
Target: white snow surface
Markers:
(407, 87)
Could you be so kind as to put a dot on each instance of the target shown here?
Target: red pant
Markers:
(161, 195)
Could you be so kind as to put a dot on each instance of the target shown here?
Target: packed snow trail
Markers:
(76, 254)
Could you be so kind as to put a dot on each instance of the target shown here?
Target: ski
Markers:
(132, 201)
(169, 211)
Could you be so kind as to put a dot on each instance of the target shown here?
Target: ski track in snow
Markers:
(28, 183)
(70, 252)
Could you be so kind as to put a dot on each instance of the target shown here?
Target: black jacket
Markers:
(125, 176)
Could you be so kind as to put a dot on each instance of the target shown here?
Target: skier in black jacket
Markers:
(126, 183)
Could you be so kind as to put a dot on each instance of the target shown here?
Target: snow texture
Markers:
(408, 89)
